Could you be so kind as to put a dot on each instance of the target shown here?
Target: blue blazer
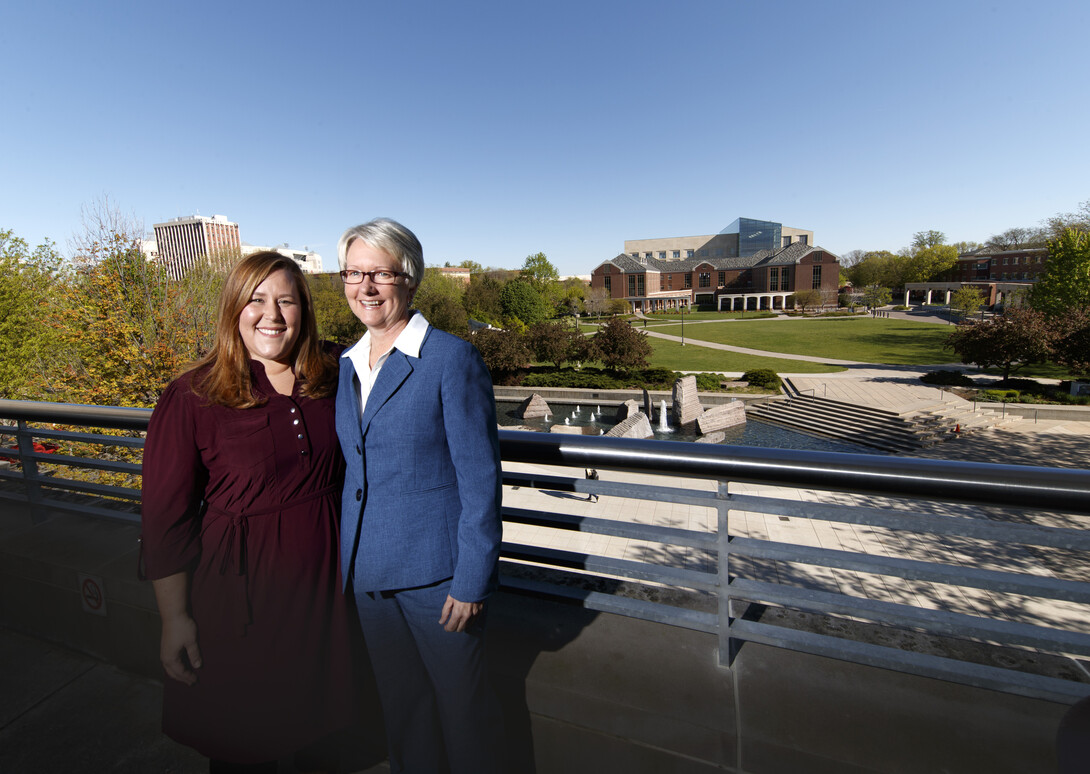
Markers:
(422, 489)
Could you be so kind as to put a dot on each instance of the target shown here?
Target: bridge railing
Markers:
(964, 572)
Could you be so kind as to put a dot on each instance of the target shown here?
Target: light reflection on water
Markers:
(752, 433)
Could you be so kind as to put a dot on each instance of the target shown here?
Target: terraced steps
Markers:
(912, 426)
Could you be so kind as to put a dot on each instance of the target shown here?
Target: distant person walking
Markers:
(592, 475)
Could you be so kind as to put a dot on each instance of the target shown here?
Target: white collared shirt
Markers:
(408, 341)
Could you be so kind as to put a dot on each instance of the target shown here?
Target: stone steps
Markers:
(910, 427)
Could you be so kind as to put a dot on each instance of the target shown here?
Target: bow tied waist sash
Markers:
(234, 560)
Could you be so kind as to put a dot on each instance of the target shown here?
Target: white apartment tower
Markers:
(183, 241)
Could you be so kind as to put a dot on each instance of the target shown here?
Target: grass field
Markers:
(667, 316)
(864, 339)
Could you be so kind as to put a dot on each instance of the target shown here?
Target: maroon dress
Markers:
(247, 501)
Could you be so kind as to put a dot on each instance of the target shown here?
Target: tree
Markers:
(521, 301)
(439, 299)
(1065, 285)
(473, 266)
(965, 247)
(927, 263)
(1016, 339)
(27, 279)
(504, 352)
(879, 267)
(1072, 343)
(555, 342)
(482, 298)
(620, 346)
(1016, 239)
(966, 301)
(1061, 222)
(597, 301)
(922, 240)
(120, 327)
(875, 296)
(806, 299)
(541, 274)
(336, 322)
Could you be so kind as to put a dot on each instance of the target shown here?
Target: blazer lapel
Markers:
(394, 372)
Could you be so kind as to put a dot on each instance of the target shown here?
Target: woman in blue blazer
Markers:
(420, 519)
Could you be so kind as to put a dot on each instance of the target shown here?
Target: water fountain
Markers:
(663, 426)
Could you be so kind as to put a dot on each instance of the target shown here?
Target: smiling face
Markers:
(270, 323)
(384, 309)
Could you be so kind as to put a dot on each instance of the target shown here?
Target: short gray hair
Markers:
(390, 237)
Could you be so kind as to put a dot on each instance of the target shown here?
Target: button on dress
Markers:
(247, 500)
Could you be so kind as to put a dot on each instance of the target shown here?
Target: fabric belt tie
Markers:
(233, 563)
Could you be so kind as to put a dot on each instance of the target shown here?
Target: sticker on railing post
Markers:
(92, 594)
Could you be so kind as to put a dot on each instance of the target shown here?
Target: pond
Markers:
(594, 418)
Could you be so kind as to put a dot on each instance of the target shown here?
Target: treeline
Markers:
(929, 255)
(1051, 324)
(108, 327)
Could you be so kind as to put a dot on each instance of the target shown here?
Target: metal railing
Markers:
(978, 551)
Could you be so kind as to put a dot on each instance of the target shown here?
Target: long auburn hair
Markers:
(223, 375)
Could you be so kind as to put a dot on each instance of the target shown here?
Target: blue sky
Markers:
(499, 129)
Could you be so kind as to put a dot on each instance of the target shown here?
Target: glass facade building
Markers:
(755, 235)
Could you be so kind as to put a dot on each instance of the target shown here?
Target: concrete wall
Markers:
(588, 692)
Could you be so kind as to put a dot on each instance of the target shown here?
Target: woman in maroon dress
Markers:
(242, 481)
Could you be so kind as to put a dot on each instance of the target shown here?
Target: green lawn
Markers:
(657, 317)
(867, 340)
(670, 354)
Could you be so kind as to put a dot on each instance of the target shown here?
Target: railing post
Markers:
(25, 440)
(727, 650)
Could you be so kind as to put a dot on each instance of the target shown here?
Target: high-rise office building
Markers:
(183, 241)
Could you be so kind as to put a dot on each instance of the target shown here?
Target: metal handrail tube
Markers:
(578, 560)
(1039, 488)
(115, 417)
(942, 622)
(672, 535)
(915, 521)
(895, 659)
(1003, 581)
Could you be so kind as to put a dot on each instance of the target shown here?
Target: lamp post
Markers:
(683, 326)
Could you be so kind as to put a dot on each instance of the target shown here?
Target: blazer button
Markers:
(359, 495)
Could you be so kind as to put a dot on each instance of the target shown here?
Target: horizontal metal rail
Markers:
(913, 499)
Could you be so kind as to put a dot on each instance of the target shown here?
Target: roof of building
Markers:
(782, 256)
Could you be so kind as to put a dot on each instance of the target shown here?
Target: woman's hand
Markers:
(457, 615)
(178, 649)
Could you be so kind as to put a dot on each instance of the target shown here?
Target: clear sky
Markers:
(499, 129)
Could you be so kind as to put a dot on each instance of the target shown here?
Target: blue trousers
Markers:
(441, 714)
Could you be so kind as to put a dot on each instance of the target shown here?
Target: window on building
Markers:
(722, 278)
(648, 255)
(632, 284)
(705, 279)
(688, 280)
(774, 278)
(676, 254)
(804, 239)
(689, 253)
(639, 285)
(786, 241)
(1004, 260)
(816, 284)
(608, 285)
(635, 255)
(669, 281)
(718, 252)
(662, 255)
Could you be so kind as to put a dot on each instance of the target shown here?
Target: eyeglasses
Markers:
(378, 276)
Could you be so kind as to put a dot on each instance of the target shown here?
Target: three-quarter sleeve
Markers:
(174, 478)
